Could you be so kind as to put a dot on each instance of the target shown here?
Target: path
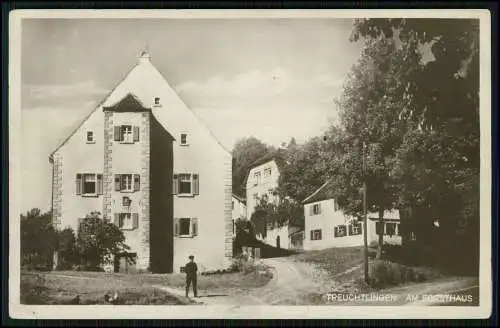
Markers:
(300, 283)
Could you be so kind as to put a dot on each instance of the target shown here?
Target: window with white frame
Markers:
(355, 229)
(127, 182)
(157, 101)
(267, 173)
(90, 137)
(316, 234)
(340, 231)
(256, 178)
(89, 184)
(315, 209)
(125, 221)
(186, 184)
(184, 141)
(186, 227)
(126, 134)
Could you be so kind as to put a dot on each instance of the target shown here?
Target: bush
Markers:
(33, 289)
(385, 274)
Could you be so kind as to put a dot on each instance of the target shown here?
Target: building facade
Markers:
(239, 210)
(327, 226)
(146, 163)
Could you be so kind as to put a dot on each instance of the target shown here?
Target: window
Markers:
(379, 228)
(316, 234)
(186, 227)
(336, 205)
(127, 221)
(89, 184)
(340, 231)
(355, 229)
(126, 201)
(126, 133)
(413, 236)
(184, 139)
(256, 177)
(390, 229)
(186, 184)
(232, 205)
(267, 173)
(127, 182)
(157, 101)
(315, 209)
(90, 137)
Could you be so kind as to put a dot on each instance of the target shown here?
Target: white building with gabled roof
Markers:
(146, 162)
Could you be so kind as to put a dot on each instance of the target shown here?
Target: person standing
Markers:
(191, 270)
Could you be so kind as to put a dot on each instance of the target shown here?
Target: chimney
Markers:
(144, 57)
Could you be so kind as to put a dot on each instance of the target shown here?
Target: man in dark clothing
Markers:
(191, 269)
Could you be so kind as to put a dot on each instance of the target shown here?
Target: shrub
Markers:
(33, 289)
(385, 274)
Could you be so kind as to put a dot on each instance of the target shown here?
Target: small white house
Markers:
(327, 226)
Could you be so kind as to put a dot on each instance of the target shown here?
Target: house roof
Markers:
(142, 69)
(277, 156)
(241, 199)
(322, 193)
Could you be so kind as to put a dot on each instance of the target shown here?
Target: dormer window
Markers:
(184, 141)
(157, 101)
(90, 137)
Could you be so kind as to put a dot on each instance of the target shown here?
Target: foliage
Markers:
(242, 224)
(98, 240)
(385, 274)
(273, 214)
(67, 249)
(38, 240)
(245, 152)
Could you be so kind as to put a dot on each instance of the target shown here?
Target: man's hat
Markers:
(191, 257)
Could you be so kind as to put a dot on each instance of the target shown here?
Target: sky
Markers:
(273, 79)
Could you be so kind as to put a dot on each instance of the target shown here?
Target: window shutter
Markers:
(135, 218)
(194, 227)
(99, 184)
(117, 133)
(311, 235)
(176, 227)
(117, 182)
(311, 209)
(137, 182)
(336, 231)
(350, 229)
(175, 186)
(136, 133)
(78, 184)
(196, 184)
(117, 219)
(319, 208)
(319, 234)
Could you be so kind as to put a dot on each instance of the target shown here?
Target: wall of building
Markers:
(162, 207)
(239, 211)
(261, 187)
(78, 156)
(131, 158)
(326, 221)
(273, 234)
(393, 217)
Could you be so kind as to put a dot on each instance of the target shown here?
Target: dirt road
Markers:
(299, 283)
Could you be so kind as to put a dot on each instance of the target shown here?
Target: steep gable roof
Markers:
(143, 71)
(240, 199)
(322, 193)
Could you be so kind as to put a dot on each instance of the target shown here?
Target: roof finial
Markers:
(145, 56)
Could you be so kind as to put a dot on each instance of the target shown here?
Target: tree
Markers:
(245, 152)
(38, 239)
(372, 132)
(66, 249)
(99, 240)
(436, 162)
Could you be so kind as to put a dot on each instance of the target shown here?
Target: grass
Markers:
(50, 288)
(60, 287)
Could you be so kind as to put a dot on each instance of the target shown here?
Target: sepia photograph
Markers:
(250, 164)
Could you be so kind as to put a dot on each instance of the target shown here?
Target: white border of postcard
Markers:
(17, 310)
